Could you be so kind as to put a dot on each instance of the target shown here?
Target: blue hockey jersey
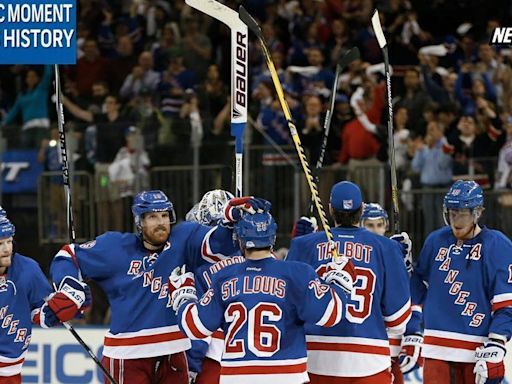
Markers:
(135, 282)
(22, 290)
(379, 305)
(466, 292)
(262, 306)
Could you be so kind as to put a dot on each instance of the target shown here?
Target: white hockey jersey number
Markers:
(263, 339)
(362, 295)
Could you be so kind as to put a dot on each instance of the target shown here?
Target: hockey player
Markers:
(375, 219)
(205, 355)
(262, 304)
(463, 279)
(357, 351)
(23, 290)
(144, 343)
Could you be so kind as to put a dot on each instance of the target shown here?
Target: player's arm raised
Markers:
(320, 304)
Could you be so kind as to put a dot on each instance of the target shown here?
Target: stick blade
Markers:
(249, 21)
(351, 55)
(377, 28)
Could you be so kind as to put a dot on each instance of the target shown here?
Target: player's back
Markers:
(264, 305)
(380, 302)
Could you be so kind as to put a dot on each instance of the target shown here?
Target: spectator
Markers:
(168, 46)
(128, 173)
(197, 56)
(442, 93)
(360, 143)
(311, 127)
(414, 98)
(480, 86)
(401, 139)
(175, 80)
(122, 64)
(212, 94)
(90, 68)
(33, 107)
(142, 76)
(433, 162)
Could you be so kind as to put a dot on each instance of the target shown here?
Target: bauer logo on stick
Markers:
(38, 32)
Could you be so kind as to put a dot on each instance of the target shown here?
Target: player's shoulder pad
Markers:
(107, 239)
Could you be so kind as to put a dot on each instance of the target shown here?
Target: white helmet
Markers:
(209, 210)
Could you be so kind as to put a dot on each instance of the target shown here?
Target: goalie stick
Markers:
(239, 75)
(69, 209)
(379, 34)
(255, 28)
(352, 55)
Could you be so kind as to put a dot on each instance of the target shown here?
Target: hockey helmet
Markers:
(209, 210)
(464, 194)
(7, 229)
(374, 211)
(256, 230)
(151, 201)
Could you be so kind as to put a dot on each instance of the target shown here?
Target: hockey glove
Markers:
(71, 297)
(303, 226)
(181, 287)
(340, 272)
(44, 317)
(406, 244)
(409, 358)
(234, 208)
(489, 367)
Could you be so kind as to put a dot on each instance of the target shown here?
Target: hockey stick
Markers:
(350, 56)
(239, 74)
(69, 208)
(379, 34)
(254, 27)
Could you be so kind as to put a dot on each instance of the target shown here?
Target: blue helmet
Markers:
(7, 228)
(151, 201)
(256, 231)
(464, 194)
(374, 211)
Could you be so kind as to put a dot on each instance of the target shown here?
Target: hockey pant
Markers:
(170, 369)
(16, 379)
(447, 372)
(210, 372)
(383, 377)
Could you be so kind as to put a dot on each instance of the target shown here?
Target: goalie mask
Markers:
(209, 210)
(151, 201)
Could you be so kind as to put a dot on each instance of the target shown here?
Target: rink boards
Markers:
(56, 357)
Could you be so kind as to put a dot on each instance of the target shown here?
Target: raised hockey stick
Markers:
(255, 28)
(352, 55)
(379, 34)
(69, 208)
(239, 75)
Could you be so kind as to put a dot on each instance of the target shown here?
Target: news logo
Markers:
(501, 36)
(38, 32)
